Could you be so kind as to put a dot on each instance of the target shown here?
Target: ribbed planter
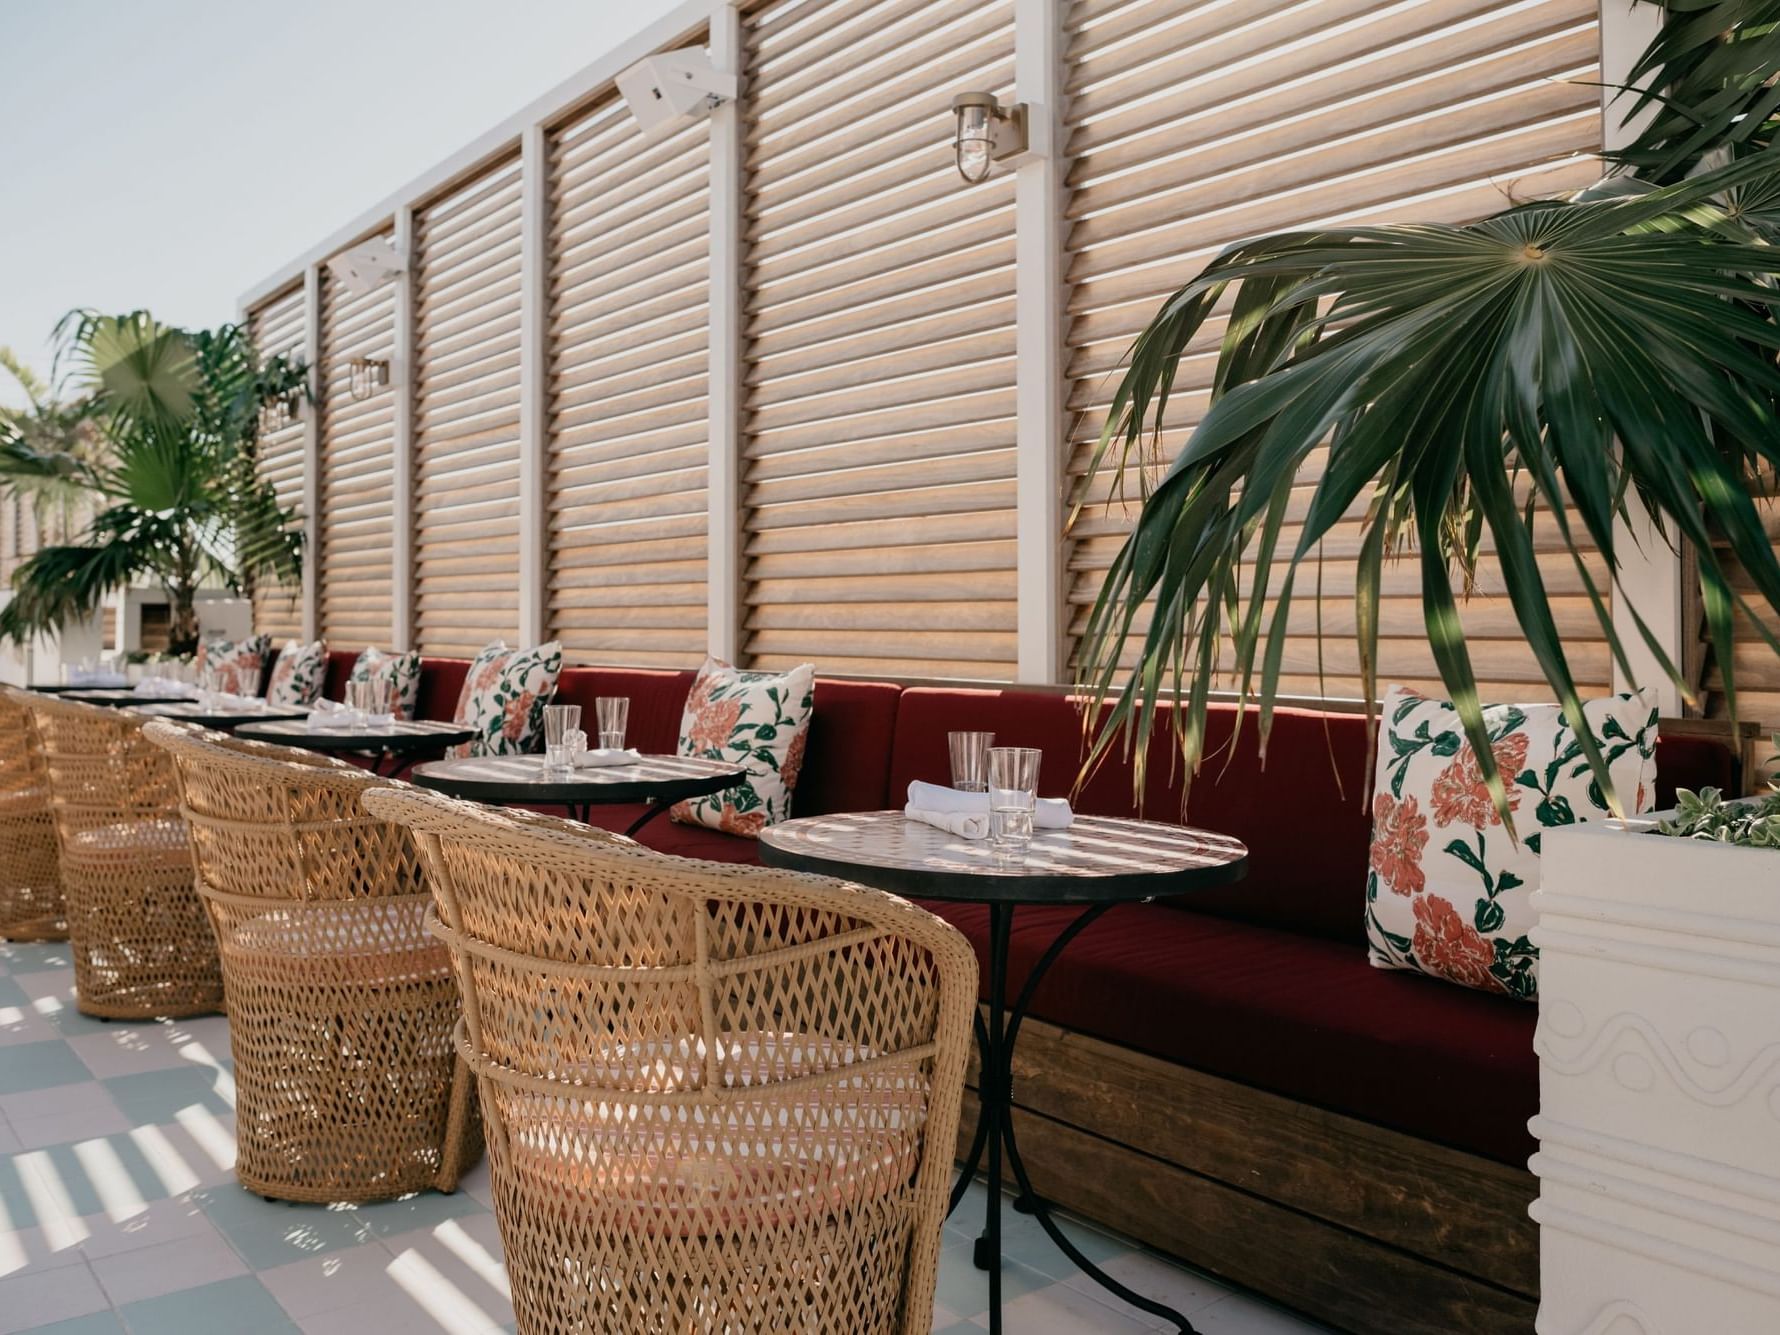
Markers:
(1659, 1108)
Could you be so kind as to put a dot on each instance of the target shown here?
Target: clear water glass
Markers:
(559, 722)
(359, 699)
(379, 700)
(612, 712)
(1013, 792)
(970, 760)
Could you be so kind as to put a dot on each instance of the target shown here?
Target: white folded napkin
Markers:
(600, 756)
(227, 702)
(164, 688)
(965, 825)
(330, 716)
(1048, 813)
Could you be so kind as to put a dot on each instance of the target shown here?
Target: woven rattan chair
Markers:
(717, 1098)
(30, 871)
(341, 1005)
(141, 944)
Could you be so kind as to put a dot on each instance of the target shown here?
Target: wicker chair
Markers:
(141, 944)
(30, 871)
(341, 1006)
(717, 1098)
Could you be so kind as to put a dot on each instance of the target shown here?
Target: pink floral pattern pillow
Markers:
(238, 664)
(1448, 886)
(297, 674)
(503, 698)
(402, 672)
(758, 720)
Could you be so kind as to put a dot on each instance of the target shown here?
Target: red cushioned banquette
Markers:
(1265, 982)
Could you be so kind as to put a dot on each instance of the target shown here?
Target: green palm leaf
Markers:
(1619, 343)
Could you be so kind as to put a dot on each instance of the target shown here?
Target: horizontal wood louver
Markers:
(1755, 667)
(1192, 125)
(357, 520)
(279, 329)
(629, 282)
(466, 415)
(878, 468)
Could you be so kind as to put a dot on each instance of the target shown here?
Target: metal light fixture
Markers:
(987, 133)
(278, 413)
(365, 376)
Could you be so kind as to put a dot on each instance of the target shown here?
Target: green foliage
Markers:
(1708, 815)
(174, 479)
(1471, 385)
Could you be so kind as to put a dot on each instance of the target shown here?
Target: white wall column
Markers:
(723, 579)
(1038, 341)
(318, 385)
(534, 305)
(1649, 569)
(401, 577)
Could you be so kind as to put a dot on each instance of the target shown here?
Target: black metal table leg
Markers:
(650, 811)
(995, 1124)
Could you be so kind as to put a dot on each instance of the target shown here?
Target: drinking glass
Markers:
(1013, 792)
(378, 699)
(970, 760)
(559, 722)
(613, 715)
(359, 700)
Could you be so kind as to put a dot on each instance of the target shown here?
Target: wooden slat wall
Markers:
(466, 415)
(878, 469)
(357, 469)
(279, 329)
(1193, 125)
(629, 352)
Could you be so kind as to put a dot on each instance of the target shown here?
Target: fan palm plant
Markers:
(1545, 364)
(176, 493)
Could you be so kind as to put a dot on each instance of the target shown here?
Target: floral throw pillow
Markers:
(1448, 886)
(297, 674)
(402, 671)
(758, 720)
(236, 663)
(504, 695)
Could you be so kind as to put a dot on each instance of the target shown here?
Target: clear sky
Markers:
(168, 154)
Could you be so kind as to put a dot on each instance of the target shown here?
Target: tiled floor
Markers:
(119, 1212)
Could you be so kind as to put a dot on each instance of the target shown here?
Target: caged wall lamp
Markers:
(987, 133)
(365, 376)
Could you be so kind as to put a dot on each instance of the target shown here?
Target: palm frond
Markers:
(1546, 362)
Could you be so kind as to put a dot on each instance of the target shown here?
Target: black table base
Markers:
(583, 812)
(994, 1139)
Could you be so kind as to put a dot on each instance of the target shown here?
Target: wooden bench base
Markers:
(1368, 1230)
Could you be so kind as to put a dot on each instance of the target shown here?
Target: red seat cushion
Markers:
(1293, 1014)
(669, 836)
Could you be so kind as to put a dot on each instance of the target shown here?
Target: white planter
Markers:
(1659, 1105)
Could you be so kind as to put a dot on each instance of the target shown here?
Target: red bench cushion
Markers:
(1302, 1017)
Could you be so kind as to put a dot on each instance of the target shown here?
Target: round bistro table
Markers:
(122, 697)
(657, 781)
(1097, 864)
(223, 720)
(395, 746)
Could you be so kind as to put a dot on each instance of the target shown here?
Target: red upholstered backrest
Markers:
(656, 701)
(333, 684)
(847, 762)
(1693, 762)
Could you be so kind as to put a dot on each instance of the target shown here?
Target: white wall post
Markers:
(534, 305)
(401, 577)
(723, 576)
(1038, 341)
(318, 384)
(1649, 569)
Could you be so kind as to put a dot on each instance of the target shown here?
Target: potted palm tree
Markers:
(175, 491)
(1614, 346)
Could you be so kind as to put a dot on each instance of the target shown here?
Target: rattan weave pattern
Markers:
(718, 1098)
(142, 946)
(341, 1006)
(30, 868)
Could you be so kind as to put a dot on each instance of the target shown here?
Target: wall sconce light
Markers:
(987, 133)
(365, 376)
